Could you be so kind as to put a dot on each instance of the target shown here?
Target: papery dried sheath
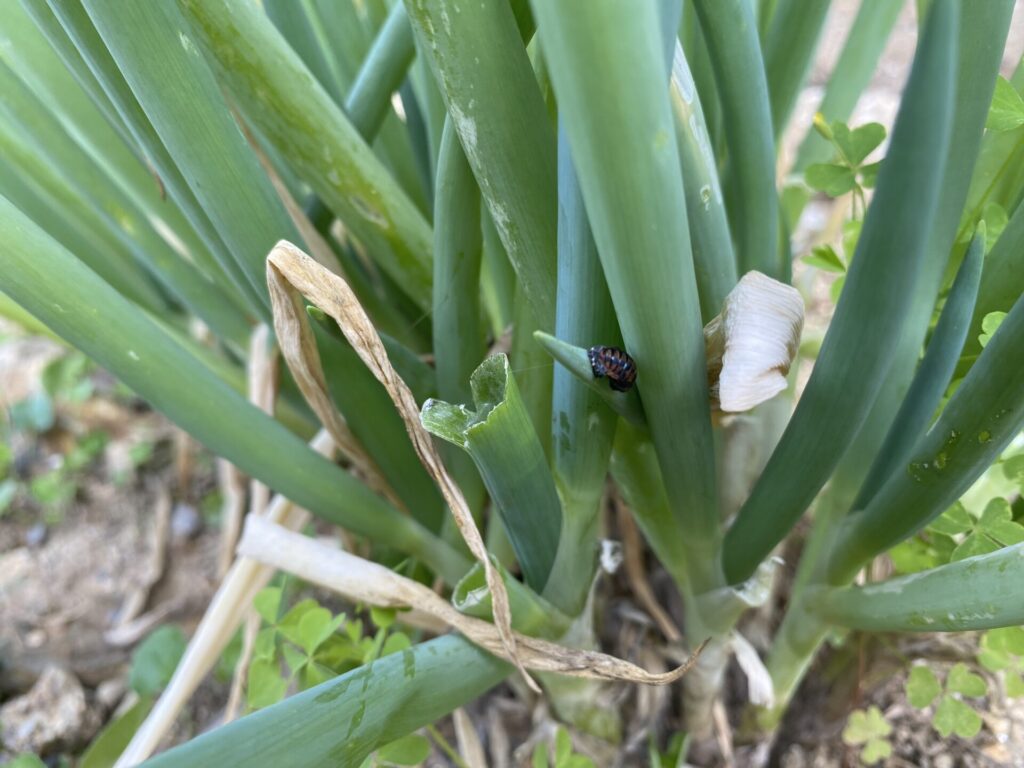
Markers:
(752, 342)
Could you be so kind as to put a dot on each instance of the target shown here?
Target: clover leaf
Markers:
(1007, 110)
(994, 530)
(869, 727)
(1003, 650)
(847, 172)
(952, 714)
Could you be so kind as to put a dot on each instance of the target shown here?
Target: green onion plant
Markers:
(505, 185)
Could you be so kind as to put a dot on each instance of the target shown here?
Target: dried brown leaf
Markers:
(262, 375)
(298, 347)
(636, 573)
(470, 748)
(289, 265)
(368, 582)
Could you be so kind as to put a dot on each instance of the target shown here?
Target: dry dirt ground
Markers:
(80, 586)
(76, 595)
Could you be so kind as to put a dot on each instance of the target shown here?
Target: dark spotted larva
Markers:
(614, 363)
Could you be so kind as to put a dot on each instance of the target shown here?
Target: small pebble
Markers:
(35, 638)
(53, 716)
(186, 522)
(35, 536)
(110, 692)
(23, 462)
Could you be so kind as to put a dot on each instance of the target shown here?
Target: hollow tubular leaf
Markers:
(57, 218)
(381, 74)
(788, 52)
(419, 137)
(102, 250)
(611, 81)
(372, 71)
(980, 43)
(80, 29)
(115, 212)
(342, 721)
(431, 104)
(933, 374)
(505, 447)
(852, 73)
(696, 51)
(730, 31)
(488, 85)
(155, 51)
(983, 416)
(582, 424)
(534, 372)
(294, 21)
(59, 75)
(863, 335)
(423, 104)
(370, 96)
(498, 279)
(368, 104)
(72, 300)
(977, 593)
(458, 338)
(713, 259)
(980, 37)
(576, 361)
(62, 45)
(345, 36)
(634, 466)
(279, 96)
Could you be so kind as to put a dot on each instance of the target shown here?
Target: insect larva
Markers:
(615, 364)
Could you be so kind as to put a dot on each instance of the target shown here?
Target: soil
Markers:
(65, 585)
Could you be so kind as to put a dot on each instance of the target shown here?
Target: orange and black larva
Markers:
(614, 363)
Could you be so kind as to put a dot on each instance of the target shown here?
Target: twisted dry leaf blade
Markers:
(262, 377)
(364, 581)
(470, 748)
(332, 295)
(298, 346)
(760, 689)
